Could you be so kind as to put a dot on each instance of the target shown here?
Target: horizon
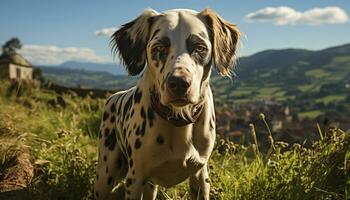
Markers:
(81, 34)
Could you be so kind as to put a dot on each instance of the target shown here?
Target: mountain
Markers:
(113, 68)
(87, 79)
(289, 75)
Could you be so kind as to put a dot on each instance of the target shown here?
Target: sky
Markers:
(57, 31)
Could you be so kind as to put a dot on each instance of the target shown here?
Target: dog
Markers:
(162, 131)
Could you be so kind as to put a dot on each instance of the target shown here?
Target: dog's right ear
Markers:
(130, 41)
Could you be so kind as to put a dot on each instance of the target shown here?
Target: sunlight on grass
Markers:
(63, 142)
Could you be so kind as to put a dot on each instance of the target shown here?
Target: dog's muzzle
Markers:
(167, 114)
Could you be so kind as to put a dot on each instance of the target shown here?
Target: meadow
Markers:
(59, 135)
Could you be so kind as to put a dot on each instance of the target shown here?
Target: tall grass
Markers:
(62, 141)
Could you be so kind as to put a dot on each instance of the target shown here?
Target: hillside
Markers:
(87, 79)
(311, 82)
(112, 68)
(286, 74)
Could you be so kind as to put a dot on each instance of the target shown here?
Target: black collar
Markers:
(167, 114)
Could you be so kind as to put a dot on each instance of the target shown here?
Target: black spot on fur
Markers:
(109, 180)
(132, 113)
(151, 116)
(113, 108)
(105, 116)
(105, 158)
(119, 162)
(207, 180)
(138, 131)
(164, 55)
(112, 119)
(143, 128)
(129, 151)
(131, 163)
(96, 193)
(111, 140)
(133, 172)
(106, 132)
(143, 113)
(138, 143)
(106, 170)
(137, 96)
(128, 182)
(160, 139)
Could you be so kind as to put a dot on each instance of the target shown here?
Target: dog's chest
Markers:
(174, 160)
(171, 154)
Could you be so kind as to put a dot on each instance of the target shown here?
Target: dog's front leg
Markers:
(199, 184)
(150, 191)
(133, 187)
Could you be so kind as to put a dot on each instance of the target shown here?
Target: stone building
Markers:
(14, 66)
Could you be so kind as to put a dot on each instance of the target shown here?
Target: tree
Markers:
(11, 46)
(38, 74)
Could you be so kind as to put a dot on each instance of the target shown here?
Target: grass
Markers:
(331, 98)
(310, 114)
(62, 141)
(317, 73)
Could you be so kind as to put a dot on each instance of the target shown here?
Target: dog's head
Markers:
(179, 47)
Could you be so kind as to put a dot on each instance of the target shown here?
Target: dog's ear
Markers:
(224, 38)
(130, 41)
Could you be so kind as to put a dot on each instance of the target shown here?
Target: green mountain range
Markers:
(289, 73)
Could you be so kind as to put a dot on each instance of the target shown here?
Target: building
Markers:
(14, 66)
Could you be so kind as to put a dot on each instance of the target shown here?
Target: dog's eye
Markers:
(200, 48)
(159, 49)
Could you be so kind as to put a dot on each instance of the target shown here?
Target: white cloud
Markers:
(53, 55)
(285, 15)
(106, 31)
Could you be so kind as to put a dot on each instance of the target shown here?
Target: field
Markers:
(58, 133)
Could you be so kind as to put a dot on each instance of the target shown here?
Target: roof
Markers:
(15, 58)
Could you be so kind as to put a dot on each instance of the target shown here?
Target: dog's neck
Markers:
(189, 115)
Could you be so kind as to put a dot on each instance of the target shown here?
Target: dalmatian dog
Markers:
(162, 131)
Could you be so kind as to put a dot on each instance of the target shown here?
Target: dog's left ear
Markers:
(130, 41)
(224, 37)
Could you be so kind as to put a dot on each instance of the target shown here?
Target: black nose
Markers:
(178, 85)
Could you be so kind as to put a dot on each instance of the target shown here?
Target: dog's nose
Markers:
(178, 85)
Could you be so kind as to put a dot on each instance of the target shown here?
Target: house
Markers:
(14, 66)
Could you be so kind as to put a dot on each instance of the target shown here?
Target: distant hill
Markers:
(310, 81)
(87, 79)
(113, 68)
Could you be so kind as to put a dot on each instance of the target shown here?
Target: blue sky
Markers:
(66, 28)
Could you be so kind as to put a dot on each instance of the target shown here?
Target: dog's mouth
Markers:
(180, 102)
(168, 114)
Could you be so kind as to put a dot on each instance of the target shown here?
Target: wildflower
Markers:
(262, 116)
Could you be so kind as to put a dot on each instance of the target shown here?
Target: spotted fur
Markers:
(142, 148)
